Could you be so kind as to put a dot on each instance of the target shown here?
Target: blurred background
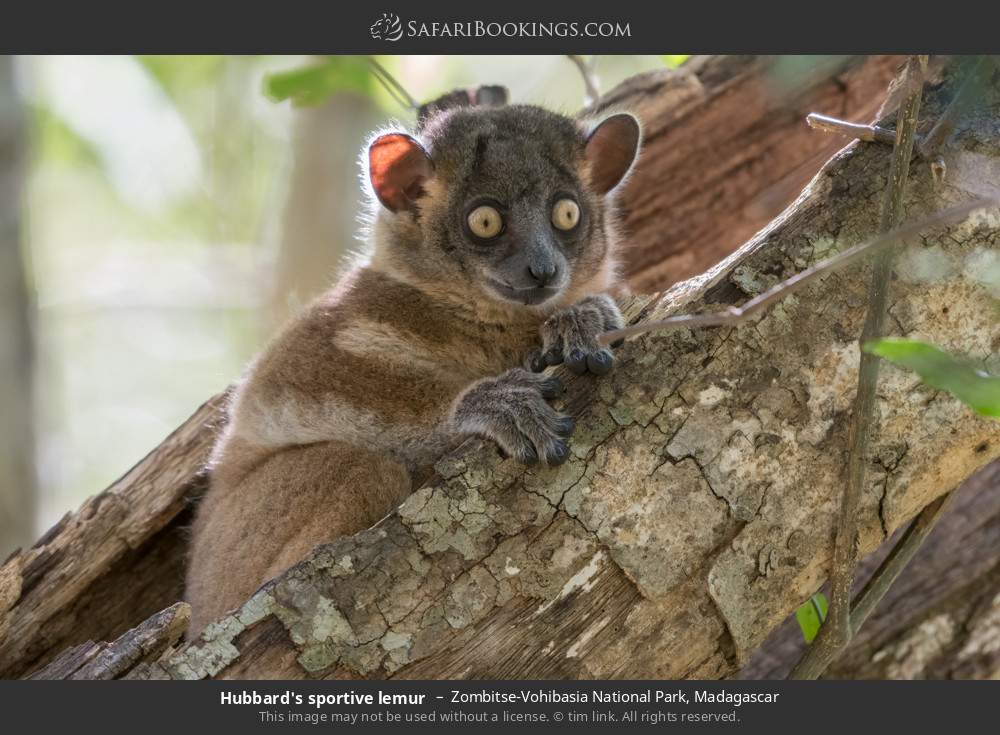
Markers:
(161, 216)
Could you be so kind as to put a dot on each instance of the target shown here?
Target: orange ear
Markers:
(398, 166)
(611, 149)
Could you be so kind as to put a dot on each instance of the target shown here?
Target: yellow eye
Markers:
(485, 222)
(565, 214)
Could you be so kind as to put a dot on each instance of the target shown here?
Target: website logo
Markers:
(387, 28)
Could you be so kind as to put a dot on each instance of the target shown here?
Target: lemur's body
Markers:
(442, 335)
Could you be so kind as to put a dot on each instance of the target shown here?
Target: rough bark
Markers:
(941, 619)
(727, 149)
(144, 643)
(695, 513)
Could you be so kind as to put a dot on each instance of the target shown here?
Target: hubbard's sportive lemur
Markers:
(493, 252)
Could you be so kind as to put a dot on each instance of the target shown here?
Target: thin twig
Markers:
(870, 133)
(396, 90)
(735, 315)
(590, 83)
(904, 550)
(836, 632)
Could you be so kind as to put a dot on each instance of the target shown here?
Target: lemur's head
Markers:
(510, 204)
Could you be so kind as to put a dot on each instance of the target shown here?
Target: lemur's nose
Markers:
(542, 273)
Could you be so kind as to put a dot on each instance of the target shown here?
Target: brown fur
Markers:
(404, 358)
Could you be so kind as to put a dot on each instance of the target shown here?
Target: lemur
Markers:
(493, 254)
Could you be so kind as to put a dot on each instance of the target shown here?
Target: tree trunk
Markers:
(320, 217)
(695, 514)
(17, 450)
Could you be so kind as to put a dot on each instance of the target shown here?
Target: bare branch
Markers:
(836, 631)
(870, 133)
(590, 83)
(396, 90)
(735, 315)
(904, 550)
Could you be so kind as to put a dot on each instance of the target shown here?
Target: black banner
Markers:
(510, 706)
(453, 27)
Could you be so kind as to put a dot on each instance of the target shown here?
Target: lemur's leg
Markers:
(312, 495)
(511, 409)
(570, 336)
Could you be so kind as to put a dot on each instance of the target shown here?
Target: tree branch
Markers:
(869, 133)
(836, 632)
(904, 550)
(590, 84)
(735, 315)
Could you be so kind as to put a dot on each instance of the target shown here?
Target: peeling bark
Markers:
(695, 513)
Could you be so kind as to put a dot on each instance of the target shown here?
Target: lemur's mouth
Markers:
(532, 296)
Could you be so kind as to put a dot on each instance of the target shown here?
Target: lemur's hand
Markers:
(570, 336)
(511, 409)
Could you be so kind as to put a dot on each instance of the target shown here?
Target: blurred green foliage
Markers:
(973, 387)
(56, 142)
(178, 78)
(316, 83)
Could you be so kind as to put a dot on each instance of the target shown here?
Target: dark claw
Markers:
(565, 426)
(554, 356)
(557, 455)
(577, 362)
(599, 363)
(551, 387)
(538, 363)
(617, 343)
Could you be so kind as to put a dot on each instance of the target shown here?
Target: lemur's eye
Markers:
(485, 222)
(565, 214)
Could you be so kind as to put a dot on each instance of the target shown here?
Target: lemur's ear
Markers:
(398, 166)
(611, 150)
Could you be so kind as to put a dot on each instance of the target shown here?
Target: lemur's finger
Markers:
(551, 387)
(513, 442)
(546, 428)
(554, 356)
(577, 361)
(525, 453)
(565, 426)
(600, 362)
(557, 455)
(536, 362)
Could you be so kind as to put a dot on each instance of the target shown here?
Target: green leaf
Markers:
(973, 387)
(313, 85)
(811, 615)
